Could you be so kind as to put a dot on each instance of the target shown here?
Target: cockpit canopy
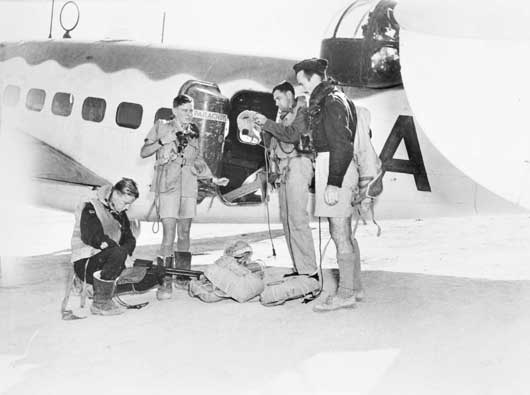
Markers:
(366, 54)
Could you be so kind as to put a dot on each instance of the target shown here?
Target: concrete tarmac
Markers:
(446, 311)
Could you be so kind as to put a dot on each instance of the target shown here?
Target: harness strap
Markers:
(359, 217)
(373, 219)
(156, 202)
(280, 144)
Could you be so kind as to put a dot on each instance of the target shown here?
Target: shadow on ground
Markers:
(449, 335)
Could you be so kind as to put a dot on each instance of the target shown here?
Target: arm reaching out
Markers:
(286, 133)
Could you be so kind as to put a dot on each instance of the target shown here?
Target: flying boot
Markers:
(165, 291)
(102, 303)
(182, 261)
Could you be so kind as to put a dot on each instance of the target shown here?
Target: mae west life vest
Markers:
(111, 226)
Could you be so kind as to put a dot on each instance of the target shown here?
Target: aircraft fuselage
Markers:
(91, 105)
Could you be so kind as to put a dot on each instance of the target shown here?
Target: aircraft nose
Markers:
(467, 82)
(484, 19)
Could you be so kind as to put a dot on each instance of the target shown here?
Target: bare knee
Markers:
(183, 241)
(339, 229)
(168, 236)
(169, 228)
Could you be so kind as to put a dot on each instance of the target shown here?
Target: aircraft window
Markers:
(352, 21)
(164, 113)
(362, 20)
(370, 57)
(62, 104)
(381, 24)
(11, 95)
(385, 64)
(93, 109)
(35, 99)
(129, 115)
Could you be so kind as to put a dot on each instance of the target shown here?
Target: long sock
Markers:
(357, 285)
(166, 250)
(346, 268)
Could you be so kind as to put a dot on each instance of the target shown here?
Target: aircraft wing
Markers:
(54, 165)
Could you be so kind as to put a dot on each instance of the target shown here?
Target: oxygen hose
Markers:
(267, 199)
(156, 202)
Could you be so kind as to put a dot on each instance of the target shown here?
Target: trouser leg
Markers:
(297, 197)
(114, 262)
(282, 199)
(91, 268)
(111, 262)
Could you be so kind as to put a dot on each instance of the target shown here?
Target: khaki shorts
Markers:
(173, 205)
(343, 208)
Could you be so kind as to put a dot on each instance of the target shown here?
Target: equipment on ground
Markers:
(289, 288)
(172, 271)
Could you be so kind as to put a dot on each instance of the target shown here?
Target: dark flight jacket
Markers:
(92, 232)
(333, 127)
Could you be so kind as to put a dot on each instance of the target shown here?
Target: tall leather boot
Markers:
(102, 303)
(182, 261)
(165, 291)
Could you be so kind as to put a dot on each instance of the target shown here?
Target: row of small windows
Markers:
(128, 115)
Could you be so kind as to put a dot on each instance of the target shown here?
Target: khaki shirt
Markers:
(177, 168)
(282, 150)
(283, 136)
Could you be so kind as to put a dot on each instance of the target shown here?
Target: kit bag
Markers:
(289, 288)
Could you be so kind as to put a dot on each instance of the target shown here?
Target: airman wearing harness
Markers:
(333, 125)
(103, 243)
(179, 164)
(292, 171)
